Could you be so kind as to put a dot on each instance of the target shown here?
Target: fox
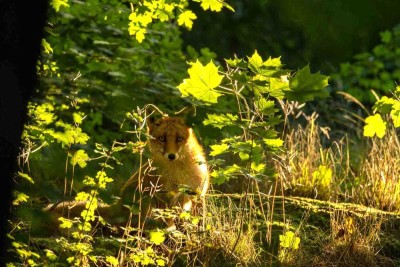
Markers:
(178, 161)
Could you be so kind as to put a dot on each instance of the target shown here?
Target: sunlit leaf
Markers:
(185, 215)
(257, 167)
(50, 255)
(220, 120)
(202, 82)
(322, 176)
(26, 176)
(160, 262)
(374, 125)
(186, 18)
(112, 260)
(79, 157)
(46, 47)
(218, 149)
(255, 61)
(395, 114)
(273, 62)
(273, 143)
(305, 86)
(213, 5)
(65, 223)
(222, 175)
(289, 240)
(266, 106)
(157, 237)
(19, 198)
(384, 105)
(56, 4)
(277, 87)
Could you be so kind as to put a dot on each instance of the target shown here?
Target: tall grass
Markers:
(378, 180)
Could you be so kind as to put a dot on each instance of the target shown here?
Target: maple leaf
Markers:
(56, 4)
(202, 82)
(374, 125)
(186, 18)
(213, 5)
(305, 86)
(157, 237)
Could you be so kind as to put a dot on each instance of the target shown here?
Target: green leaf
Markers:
(112, 260)
(47, 47)
(374, 125)
(305, 86)
(186, 18)
(384, 105)
(266, 106)
(160, 262)
(185, 215)
(255, 61)
(386, 36)
(77, 117)
(257, 167)
(218, 149)
(289, 240)
(236, 62)
(26, 176)
(79, 157)
(222, 175)
(395, 114)
(220, 121)
(65, 223)
(322, 176)
(273, 143)
(273, 62)
(213, 5)
(19, 197)
(202, 82)
(277, 87)
(50, 255)
(157, 237)
(56, 4)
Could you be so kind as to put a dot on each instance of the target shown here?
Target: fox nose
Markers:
(171, 156)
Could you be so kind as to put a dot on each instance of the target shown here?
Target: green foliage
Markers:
(83, 117)
(202, 82)
(377, 70)
(289, 240)
(306, 86)
(250, 86)
(387, 107)
(56, 4)
(145, 12)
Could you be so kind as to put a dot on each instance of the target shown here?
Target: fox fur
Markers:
(178, 156)
(177, 161)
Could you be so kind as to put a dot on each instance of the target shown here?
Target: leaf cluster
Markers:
(378, 70)
(253, 87)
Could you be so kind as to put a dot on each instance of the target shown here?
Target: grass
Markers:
(344, 212)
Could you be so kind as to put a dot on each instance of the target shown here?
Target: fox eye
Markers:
(179, 139)
(161, 139)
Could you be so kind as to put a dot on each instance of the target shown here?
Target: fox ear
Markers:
(150, 123)
(181, 120)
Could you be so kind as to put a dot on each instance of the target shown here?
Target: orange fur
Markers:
(178, 158)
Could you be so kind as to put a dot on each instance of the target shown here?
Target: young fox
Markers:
(179, 162)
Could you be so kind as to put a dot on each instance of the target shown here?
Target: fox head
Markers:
(168, 137)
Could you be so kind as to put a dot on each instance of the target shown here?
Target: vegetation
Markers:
(284, 190)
